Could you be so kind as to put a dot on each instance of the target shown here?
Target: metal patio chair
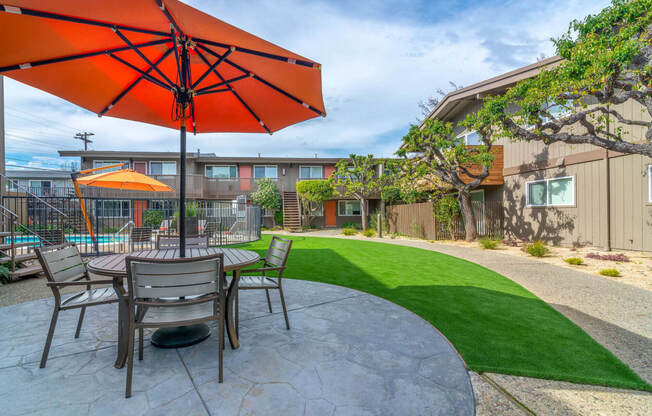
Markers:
(164, 242)
(140, 235)
(172, 293)
(63, 266)
(274, 261)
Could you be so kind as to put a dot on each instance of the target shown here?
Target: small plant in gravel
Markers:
(352, 225)
(610, 272)
(619, 257)
(349, 231)
(536, 249)
(369, 232)
(575, 261)
(489, 244)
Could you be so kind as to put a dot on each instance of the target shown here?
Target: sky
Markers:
(379, 59)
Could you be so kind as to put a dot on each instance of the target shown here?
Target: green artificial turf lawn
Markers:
(495, 324)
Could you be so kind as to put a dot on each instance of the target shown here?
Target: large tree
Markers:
(313, 194)
(267, 196)
(357, 177)
(607, 60)
(434, 155)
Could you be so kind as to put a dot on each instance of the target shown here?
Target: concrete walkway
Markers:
(617, 315)
(348, 353)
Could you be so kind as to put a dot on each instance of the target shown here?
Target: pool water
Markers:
(77, 239)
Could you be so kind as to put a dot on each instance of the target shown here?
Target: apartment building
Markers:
(215, 178)
(563, 194)
(45, 183)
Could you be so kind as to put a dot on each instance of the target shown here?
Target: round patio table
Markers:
(115, 266)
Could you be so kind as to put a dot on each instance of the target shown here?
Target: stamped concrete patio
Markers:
(348, 353)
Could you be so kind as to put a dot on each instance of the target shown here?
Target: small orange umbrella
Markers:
(127, 179)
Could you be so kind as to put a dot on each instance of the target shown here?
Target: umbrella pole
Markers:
(182, 190)
(89, 226)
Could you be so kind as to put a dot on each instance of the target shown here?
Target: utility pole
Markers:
(84, 138)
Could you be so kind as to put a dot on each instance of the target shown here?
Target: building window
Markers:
(472, 138)
(40, 188)
(113, 209)
(103, 163)
(268, 212)
(649, 182)
(168, 206)
(162, 168)
(551, 192)
(311, 172)
(348, 208)
(319, 211)
(12, 185)
(268, 171)
(222, 172)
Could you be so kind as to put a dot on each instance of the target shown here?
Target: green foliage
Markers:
(369, 232)
(192, 209)
(610, 272)
(153, 218)
(489, 244)
(537, 249)
(575, 261)
(278, 217)
(5, 274)
(391, 194)
(349, 231)
(373, 221)
(267, 196)
(353, 225)
(447, 210)
(415, 229)
(313, 194)
(606, 61)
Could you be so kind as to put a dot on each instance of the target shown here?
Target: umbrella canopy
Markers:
(124, 179)
(123, 58)
(158, 61)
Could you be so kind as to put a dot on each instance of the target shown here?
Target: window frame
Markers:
(237, 174)
(121, 201)
(321, 169)
(339, 205)
(547, 182)
(176, 168)
(96, 164)
(466, 135)
(265, 166)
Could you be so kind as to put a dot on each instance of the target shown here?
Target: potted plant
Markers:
(192, 220)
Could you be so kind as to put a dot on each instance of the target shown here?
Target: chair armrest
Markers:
(81, 283)
(262, 269)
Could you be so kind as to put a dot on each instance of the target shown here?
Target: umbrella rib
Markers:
(148, 77)
(167, 14)
(27, 65)
(267, 55)
(133, 84)
(212, 67)
(235, 94)
(219, 84)
(81, 20)
(212, 91)
(142, 55)
(265, 82)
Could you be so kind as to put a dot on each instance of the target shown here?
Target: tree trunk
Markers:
(467, 215)
(363, 213)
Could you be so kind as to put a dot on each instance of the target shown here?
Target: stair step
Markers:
(26, 271)
(19, 258)
(16, 245)
(8, 234)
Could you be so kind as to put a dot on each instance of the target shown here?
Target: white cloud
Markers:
(375, 70)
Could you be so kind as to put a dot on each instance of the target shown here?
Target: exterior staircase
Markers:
(291, 212)
(19, 257)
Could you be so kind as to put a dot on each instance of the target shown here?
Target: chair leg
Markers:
(221, 341)
(269, 302)
(81, 320)
(285, 311)
(48, 339)
(237, 312)
(140, 343)
(130, 359)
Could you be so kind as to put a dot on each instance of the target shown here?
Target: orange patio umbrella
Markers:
(158, 61)
(127, 179)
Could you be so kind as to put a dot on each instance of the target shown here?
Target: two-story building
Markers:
(564, 194)
(45, 183)
(215, 178)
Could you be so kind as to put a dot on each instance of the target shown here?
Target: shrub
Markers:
(349, 231)
(278, 217)
(4, 274)
(369, 232)
(610, 257)
(153, 218)
(610, 272)
(373, 221)
(488, 243)
(352, 225)
(575, 261)
(537, 249)
(447, 210)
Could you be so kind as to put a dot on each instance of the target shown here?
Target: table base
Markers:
(181, 336)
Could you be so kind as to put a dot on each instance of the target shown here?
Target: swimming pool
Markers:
(77, 239)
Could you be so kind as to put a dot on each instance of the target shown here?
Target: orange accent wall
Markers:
(330, 210)
(328, 170)
(245, 177)
(138, 208)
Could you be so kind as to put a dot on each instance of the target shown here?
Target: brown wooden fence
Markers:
(417, 220)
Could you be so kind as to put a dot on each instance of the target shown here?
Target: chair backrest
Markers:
(165, 224)
(277, 253)
(51, 237)
(164, 242)
(61, 263)
(158, 278)
(141, 235)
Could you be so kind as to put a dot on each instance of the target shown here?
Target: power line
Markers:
(30, 139)
(84, 138)
(38, 119)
